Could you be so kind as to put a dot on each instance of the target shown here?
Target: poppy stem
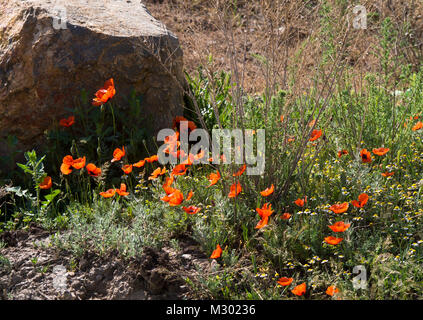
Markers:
(113, 117)
(37, 189)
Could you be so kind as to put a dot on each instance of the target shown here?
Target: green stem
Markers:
(114, 121)
(38, 200)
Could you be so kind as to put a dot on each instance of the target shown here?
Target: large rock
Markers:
(50, 50)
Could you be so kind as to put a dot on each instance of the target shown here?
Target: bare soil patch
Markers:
(31, 269)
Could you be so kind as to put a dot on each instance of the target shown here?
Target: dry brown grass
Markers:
(288, 33)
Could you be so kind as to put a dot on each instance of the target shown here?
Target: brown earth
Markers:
(35, 270)
(289, 34)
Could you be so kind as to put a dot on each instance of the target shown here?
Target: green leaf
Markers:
(24, 168)
(52, 195)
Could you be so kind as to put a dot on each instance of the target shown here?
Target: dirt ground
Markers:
(287, 33)
(200, 34)
(30, 269)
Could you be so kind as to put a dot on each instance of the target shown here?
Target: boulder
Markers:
(51, 50)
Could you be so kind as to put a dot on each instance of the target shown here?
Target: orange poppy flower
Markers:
(362, 200)
(299, 290)
(155, 174)
(166, 186)
(286, 216)
(263, 222)
(104, 94)
(268, 191)
(331, 290)
(240, 171)
(312, 123)
(178, 119)
(339, 226)
(316, 134)
(179, 170)
(388, 174)
(282, 118)
(67, 164)
(380, 151)
(189, 196)
(110, 85)
(284, 281)
(265, 211)
(152, 158)
(171, 148)
(168, 181)
(300, 202)
(189, 160)
(79, 163)
(216, 253)
(101, 97)
(118, 154)
(68, 160)
(332, 240)
(235, 190)
(46, 183)
(172, 140)
(264, 214)
(191, 126)
(417, 126)
(139, 164)
(342, 152)
(339, 207)
(122, 191)
(67, 122)
(365, 156)
(175, 198)
(213, 178)
(65, 169)
(127, 168)
(168, 190)
(108, 194)
(93, 170)
(191, 209)
(181, 154)
(166, 198)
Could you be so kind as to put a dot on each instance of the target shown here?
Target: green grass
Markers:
(385, 235)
